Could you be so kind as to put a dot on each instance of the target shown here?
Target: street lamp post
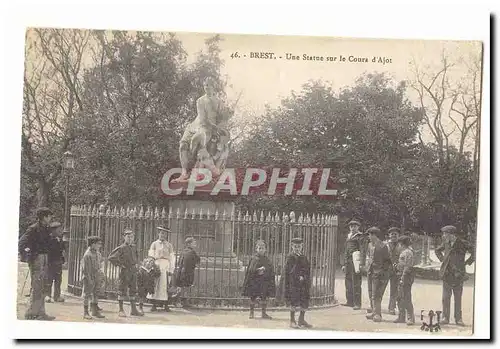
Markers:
(68, 165)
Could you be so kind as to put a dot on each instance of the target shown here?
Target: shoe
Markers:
(293, 324)
(95, 313)
(304, 324)
(121, 313)
(392, 312)
(266, 317)
(87, 316)
(48, 299)
(444, 321)
(135, 312)
(377, 318)
(410, 323)
(399, 321)
(369, 310)
(45, 317)
(459, 323)
(356, 307)
(347, 305)
(370, 316)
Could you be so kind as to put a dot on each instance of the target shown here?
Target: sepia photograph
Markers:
(266, 182)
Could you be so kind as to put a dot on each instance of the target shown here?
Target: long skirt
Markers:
(161, 287)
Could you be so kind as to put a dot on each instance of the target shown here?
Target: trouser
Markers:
(127, 288)
(455, 287)
(405, 304)
(379, 283)
(393, 289)
(90, 289)
(370, 290)
(54, 277)
(38, 270)
(352, 285)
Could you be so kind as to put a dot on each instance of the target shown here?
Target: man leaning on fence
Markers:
(353, 245)
(34, 248)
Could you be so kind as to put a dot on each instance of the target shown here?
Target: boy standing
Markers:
(297, 283)
(354, 243)
(404, 272)
(394, 251)
(90, 270)
(125, 257)
(185, 271)
(452, 256)
(146, 280)
(55, 263)
(259, 280)
(379, 268)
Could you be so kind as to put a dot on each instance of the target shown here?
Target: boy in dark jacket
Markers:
(297, 283)
(90, 277)
(125, 257)
(379, 268)
(55, 263)
(185, 272)
(146, 279)
(259, 280)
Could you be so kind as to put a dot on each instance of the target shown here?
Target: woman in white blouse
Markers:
(163, 253)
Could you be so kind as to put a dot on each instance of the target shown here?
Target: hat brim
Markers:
(163, 229)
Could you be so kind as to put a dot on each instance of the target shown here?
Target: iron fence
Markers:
(226, 243)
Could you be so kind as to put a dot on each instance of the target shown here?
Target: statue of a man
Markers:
(205, 140)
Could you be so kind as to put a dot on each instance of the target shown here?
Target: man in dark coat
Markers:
(126, 258)
(55, 263)
(452, 256)
(297, 283)
(184, 277)
(380, 267)
(354, 243)
(34, 249)
(259, 280)
(394, 251)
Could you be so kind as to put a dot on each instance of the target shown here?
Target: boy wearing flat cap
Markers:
(354, 243)
(55, 263)
(405, 275)
(163, 253)
(90, 278)
(394, 251)
(452, 256)
(125, 257)
(379, 269)
(187, 266)
(297, 283)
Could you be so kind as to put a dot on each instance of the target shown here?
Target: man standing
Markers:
(379, 269)
(394, 251)
(56, 261)
(34, 247)
(452, 256)
(354, 243)
(185, 271)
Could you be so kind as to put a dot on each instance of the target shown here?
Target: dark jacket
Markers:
(56, 252)
(453, 259)
(355, 243)
(394, 251)
(37, 239)
(380, 263)
(185, 272)
(295, 267)
(124, 256)
(146, 280)
(259, 284)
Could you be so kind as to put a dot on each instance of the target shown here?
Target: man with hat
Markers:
(34, 249)
(451, 254)
(163, 253)
(354, 243)
(378, 268)
(56, 261)
(394, 251)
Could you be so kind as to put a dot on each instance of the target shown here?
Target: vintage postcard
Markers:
(249, 181)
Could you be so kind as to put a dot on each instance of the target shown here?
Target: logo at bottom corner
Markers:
(430, 320)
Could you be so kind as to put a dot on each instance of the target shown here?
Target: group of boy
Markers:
(392, 262)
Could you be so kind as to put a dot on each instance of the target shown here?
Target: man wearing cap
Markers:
(34, 248)
(354, 243)
(379, 269)
(163, 253)
(394, 251)
(452, 256)
(56, 261)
